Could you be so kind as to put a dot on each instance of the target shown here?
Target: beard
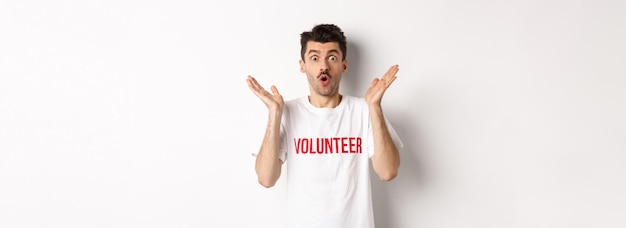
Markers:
(324, 90)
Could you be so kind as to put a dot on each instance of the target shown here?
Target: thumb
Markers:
(376, 80)
(275, 91)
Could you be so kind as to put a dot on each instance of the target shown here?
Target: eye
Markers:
(332, 58)
(314, 58)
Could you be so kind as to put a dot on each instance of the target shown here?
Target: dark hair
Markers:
(323, 33)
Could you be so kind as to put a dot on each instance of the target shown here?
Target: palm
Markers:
(374, 94)
(273, 101)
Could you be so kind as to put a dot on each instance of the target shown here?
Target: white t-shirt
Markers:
(326, 152)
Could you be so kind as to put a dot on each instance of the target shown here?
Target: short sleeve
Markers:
(392, 132)
(282, 150)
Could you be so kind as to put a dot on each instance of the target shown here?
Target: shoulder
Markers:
(354, 101)
(295, 102)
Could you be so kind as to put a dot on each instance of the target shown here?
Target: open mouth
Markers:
(324, 79)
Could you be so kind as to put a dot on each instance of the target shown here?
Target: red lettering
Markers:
(320, 146)
(311, 151)
(305, 146)
(328, 146)
(358, 145)
(297, 144)
(352, 145)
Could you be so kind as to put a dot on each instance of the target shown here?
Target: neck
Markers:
(325, 101)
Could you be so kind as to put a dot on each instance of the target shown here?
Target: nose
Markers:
(324, 66)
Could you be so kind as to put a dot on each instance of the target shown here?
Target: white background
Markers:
(136, 113)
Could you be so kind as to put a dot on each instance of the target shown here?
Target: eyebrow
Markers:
(318, 52)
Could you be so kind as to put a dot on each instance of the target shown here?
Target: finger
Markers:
(254, 82)
(250, 81)
(275, 91)
(254, 87)
(393, 70)
(390, 72)
(374, 82)
(388, 83)
(257, 86)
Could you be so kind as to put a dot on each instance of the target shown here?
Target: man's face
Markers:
(323, 66)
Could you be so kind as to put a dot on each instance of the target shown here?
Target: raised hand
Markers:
(273, 101)
(374, 94)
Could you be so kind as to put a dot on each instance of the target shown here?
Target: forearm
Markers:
(386, 159)
(268, 164)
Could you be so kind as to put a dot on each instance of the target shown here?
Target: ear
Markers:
(345, 66)
(302, 68)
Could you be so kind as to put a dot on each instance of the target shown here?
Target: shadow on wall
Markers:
(352, 82)
(388, 197)
(411, 174)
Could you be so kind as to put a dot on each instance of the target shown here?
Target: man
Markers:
(326, 139)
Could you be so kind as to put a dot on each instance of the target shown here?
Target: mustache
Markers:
(325, 73)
